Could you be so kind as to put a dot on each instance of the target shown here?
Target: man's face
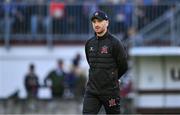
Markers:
(99, 26)
(60, 65)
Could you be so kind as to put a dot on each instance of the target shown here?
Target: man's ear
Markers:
(107, 24)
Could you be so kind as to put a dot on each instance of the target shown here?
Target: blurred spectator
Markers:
(89, 6)
(57, 9)
(134, 39)
(6, 17)
(80, 77)
(71, 77)
(75, 80)
(55, 79)
(31, 82)
(19, 13)
(76, 60)
(69, 17)
(80, 85)
(70, 81)
(40, 21)
(74, 20)
(121, 15)
(57, 14)
(76, 64)
(140, 13)
(1, 18)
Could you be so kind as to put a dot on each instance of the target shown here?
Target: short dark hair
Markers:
(60, 61)
(31, 66)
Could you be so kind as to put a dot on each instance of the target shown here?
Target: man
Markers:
(56, 79)
(31, 82)
(107, 60)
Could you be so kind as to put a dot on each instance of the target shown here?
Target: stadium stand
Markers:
(65, 25)
(56, 21)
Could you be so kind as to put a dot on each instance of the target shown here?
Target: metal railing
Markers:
(61, 21)
(165, 27)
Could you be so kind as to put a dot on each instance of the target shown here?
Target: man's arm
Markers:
(120, 56)
(47, 78)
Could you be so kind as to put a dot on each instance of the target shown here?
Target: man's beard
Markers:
(100, 31)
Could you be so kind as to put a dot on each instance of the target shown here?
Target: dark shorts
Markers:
(92, 103)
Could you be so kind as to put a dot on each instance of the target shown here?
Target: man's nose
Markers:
(96, 24)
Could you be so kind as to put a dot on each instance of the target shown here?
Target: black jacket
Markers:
(107, 59)
(31, 83)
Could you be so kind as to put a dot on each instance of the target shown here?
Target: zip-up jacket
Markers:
(107, 59)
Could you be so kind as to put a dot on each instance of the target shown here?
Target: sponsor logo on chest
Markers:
(91, 49)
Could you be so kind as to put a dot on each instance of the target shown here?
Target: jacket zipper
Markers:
(97, 53)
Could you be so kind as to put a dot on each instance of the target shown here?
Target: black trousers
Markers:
(92, 103)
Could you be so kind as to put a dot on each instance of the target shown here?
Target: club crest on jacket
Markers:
(104, 50)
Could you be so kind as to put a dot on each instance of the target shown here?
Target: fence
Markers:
(61, 21)
(36, 106)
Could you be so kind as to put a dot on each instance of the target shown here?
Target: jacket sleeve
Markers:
(48, 77)
(120, 56)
